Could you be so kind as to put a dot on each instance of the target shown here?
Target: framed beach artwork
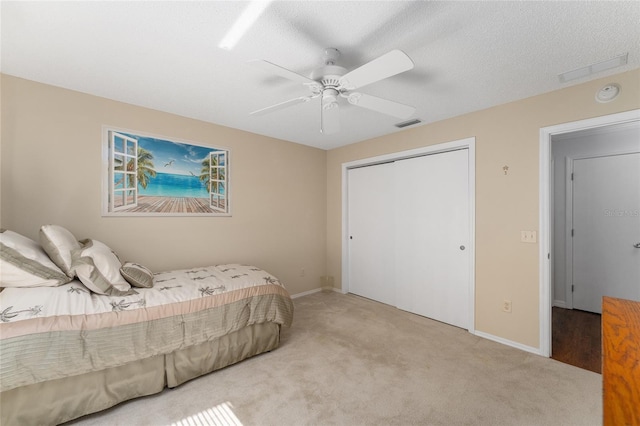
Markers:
(146, 175)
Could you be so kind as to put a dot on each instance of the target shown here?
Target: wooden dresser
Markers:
(621, 361)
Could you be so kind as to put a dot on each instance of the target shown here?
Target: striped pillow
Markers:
(23, 263)
(137, 275)
(98, 267)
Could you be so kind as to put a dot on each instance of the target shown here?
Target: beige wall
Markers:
(282, 219)
(505, 135)
(51, 167)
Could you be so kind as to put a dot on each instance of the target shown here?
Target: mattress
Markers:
(49, 333)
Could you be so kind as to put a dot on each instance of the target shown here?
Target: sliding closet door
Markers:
(432, 236)
(371, 227)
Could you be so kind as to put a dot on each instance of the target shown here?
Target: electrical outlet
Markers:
(528, 236)
(506, 306)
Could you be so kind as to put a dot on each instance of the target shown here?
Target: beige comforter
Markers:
(53, 332)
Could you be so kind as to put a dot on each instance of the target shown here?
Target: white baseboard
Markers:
(560, 304)
(315, 290)
(306, 293)
(509, 343)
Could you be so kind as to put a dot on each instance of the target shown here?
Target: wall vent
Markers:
(408, 123)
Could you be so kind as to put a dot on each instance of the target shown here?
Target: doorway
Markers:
(558, 152)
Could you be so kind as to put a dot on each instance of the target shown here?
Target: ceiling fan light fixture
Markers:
(329, 98)
(331, 81)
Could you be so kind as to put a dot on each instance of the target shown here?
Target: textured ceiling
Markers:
(164, 55)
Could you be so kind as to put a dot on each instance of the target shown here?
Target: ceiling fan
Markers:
(331, 81)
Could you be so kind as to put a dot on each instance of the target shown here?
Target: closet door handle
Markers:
(637, 245)
(462, 247)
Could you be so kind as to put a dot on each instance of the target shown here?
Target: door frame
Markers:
(470, 145)
(546, 210)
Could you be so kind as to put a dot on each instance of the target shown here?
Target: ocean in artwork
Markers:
(172, 185)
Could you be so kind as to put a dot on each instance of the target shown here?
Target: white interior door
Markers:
(432, 236)
(606, 225)
(371, 229)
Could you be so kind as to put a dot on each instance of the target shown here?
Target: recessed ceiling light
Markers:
(618, 61)
(249, 16)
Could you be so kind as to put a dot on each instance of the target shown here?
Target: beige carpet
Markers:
(351, 361)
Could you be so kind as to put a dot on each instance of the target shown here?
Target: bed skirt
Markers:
(61, 400)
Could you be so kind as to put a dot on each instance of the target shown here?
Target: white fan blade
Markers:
(381, 105)
(387, 65)
(282, 72)
(281, 105)
(330, 118)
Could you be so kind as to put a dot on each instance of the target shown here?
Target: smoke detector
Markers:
(608, 93)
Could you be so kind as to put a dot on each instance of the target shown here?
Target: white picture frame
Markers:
(151, 175)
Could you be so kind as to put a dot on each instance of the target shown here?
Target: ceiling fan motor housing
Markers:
(329, 75)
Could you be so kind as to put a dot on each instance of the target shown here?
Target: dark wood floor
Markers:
(576, 338)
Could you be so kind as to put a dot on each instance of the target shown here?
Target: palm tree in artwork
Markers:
(145, 167)
(205, 174)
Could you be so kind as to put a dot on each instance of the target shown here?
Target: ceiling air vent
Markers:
(618, 61)
(408, 123)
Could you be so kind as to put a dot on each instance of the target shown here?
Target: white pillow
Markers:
(23, 263)
(58, 242)
(98, 267)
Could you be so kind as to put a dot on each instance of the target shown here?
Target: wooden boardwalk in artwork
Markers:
(148, 204)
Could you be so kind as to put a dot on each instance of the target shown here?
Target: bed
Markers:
(67, 350)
